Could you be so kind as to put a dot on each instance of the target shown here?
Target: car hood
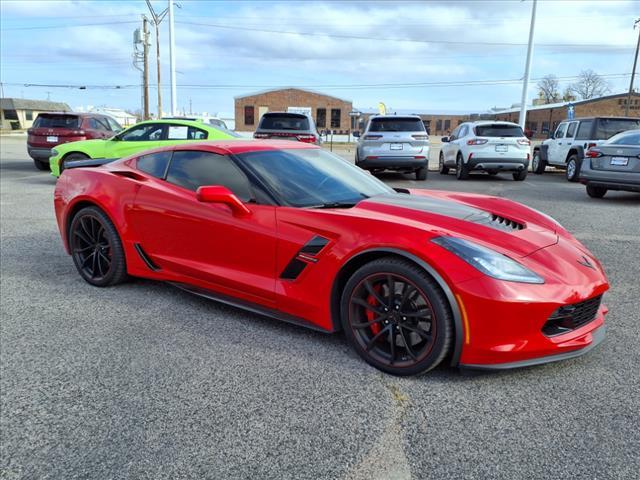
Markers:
(500, 224)
(94, 148)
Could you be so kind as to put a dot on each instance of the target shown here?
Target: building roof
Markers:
(408, 111)
(39, 105)
(561, 104)
(271, 90)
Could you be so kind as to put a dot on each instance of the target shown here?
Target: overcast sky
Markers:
(366, 51)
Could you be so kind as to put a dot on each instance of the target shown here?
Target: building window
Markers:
(10, 115)
(335, 118)
(438, 125)
(545, 127)
(321, 117)
(28, 115)
(533, 126)
(249, 115)
(447, 125)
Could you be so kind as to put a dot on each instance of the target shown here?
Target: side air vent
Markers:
(306, 255)
(145, 258)
(502, 222)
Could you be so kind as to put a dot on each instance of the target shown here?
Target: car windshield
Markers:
(608, 127)
(56, 121)
(499, 130)
(313, 177)
(284, 122)
(627, 138)
(396, 125)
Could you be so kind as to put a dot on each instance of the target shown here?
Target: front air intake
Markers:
(570, 317)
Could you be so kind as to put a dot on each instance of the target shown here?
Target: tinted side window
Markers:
(463, 131)
(571, 130)
(584, 130)
(455, 133)
(143, 133)
(185, 132)
(154, 164)
(561, 129)
(115, 126)
(193, 169)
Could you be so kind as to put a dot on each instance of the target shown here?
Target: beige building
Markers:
(19, 113)
(328, 112)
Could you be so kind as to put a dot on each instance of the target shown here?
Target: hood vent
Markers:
(504, 223)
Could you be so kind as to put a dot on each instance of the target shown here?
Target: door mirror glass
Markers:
(444, 139)
(356, 134)
(220, 194)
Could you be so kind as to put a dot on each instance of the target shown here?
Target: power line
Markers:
(48, 27)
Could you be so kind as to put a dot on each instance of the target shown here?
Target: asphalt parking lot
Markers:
(146, 381)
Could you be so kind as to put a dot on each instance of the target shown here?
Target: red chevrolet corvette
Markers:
(413, 277)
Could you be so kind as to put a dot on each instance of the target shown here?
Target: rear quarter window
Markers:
(57, 121)
(499, 130)
(584, 130)
(396, 125)
(608, 127)
(284, 122)
(155, 164)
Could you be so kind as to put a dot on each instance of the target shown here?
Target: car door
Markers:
(453, 146)
(556, 144)
(569, 138)
(235, 255)
(135, 139)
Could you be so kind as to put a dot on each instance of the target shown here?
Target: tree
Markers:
(548, 89)
(568, 95)
(590, 85)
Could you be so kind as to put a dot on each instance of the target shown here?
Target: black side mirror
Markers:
(356, 134)
(444, 139)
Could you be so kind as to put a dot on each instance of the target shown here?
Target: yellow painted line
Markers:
(465, 320)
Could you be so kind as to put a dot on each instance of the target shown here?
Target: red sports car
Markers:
(413, 277)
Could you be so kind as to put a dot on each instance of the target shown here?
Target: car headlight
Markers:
(488, 261)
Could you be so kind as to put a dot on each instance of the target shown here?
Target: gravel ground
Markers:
(145, 381)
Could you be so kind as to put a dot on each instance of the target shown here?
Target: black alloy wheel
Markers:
(462, 171)
(396, 317)
(96, 248)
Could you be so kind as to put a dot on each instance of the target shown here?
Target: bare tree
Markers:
(548, 89)
(590, 85)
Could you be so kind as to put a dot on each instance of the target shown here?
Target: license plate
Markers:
(396, 146)
(622, 161)
(52, 139)
(501, 148)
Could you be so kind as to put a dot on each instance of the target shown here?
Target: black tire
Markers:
(596, 192)
(520, 175)
(462, 172)
(96, 248)
(538, 165)
(492, 173)
(370, 293)
(421, 173)
(70, 158)
(442, 168)
(357, 158)
(573, 168)
(40, 165)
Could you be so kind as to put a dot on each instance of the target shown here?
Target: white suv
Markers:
(488, 146)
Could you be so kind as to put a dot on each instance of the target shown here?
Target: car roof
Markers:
(604, 117)
(78, 114)
(493, 122)
(417, 117)
(191, 123)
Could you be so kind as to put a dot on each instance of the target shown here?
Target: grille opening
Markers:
(505, 222)
(571, 317)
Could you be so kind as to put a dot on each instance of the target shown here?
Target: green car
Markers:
(141, 136)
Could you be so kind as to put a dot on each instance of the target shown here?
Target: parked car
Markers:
(613, 165)
(565, 149)
(397, 143)
(52, 129)
(486, 146)
(294, 232)
(142, 136)
(287, 126)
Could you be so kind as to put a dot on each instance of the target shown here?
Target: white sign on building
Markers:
(303, 110)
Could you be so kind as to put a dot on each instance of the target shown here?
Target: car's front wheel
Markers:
(40, 165)
(573, 168)
(442, 168)
(396, 317)
(537, 164)
(462, 172)
(596, 192)
(96, 248)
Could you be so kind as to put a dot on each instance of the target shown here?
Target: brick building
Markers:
(328, 112)
(541, 119)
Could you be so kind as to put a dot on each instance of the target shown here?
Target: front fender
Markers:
(544, 152)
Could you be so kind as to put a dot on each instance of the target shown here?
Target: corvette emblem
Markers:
(585, 262)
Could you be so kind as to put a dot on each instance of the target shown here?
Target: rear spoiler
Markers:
(89, 162)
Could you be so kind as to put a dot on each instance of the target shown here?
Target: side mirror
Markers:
(220, 194)
(552, 135)
(444, 139)
(356, 134)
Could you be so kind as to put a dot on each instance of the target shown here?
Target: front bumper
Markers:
(393, 162)
(500, 164)
(38, 153)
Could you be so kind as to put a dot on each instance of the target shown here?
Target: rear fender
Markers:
(575, 150)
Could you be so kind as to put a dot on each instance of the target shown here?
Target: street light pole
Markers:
(527, 71)
(172, 60)
(157, 18)
(633, 71)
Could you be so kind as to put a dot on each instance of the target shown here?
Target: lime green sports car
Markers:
(141, 136)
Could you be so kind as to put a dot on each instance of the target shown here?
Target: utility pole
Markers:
(145, 68)
(633, 71)
(157, 19)
(527, 70)
(172, 60)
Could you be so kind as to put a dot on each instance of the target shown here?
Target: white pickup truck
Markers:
(565, 149)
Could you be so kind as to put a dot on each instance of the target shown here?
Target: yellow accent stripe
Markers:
(465, 320)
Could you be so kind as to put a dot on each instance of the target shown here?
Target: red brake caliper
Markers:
(371, 300)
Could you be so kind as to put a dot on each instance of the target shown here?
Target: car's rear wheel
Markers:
(421, 173)
(537, 164)
(519, 176)
(396, 317)
(573, 168)
(70, 158)
(40, 165)
(596, 192)
(462, 172)
(96, 248)
(442, 168)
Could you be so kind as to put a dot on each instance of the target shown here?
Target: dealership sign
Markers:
(302, 110)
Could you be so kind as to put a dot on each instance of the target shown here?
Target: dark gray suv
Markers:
(287, 126)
